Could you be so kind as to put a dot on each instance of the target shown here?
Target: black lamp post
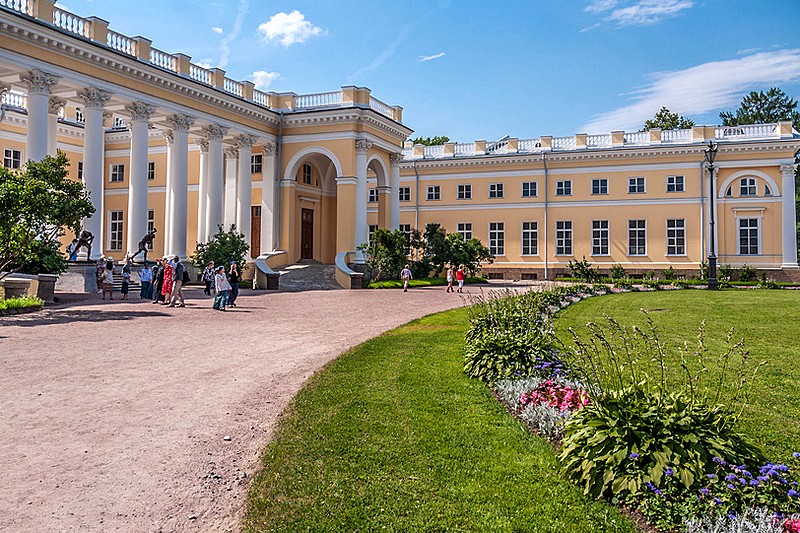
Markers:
(711, 153)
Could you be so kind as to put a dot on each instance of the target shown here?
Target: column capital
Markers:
(55, 104)
(169, 136)
(232, 152)
(245, 140)
(396, 159)
(180, 121)
(140, 110)
(94, 98)
(269, 149)
(362, 145)
(788, 169)
(39, 82)
(214, 132)
(203, 144)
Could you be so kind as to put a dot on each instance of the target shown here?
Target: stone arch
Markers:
(307, 153)
(773, 186)
(377, 165)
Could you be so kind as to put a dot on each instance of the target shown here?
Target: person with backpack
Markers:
(180, 276)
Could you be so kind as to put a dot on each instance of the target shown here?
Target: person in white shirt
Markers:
(223, 288)
(406, 276)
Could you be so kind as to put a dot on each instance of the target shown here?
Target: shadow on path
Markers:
(58, 316)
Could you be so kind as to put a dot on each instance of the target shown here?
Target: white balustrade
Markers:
(598, 141)
(200, 74)
(638, 137)
(380, 107)
(260, 98)
(163, 60)
(530, 145)
(748, 131)
(69, 22)
(676, 136)
(120, 43)
(434, 151)
(20, 6)
(464, 149)
(497, 147)
(15, 100)
(319, 100)
(232, 86)
(564, 143)
(408, 152)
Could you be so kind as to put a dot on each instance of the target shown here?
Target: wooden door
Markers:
(255, 231)
(307, 234)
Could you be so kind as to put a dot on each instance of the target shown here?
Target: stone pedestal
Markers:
(80, 277)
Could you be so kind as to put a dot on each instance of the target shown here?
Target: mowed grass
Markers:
(392, 436)
(768, 320)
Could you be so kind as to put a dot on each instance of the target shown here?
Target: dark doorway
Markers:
(307, 234)
(255, 231)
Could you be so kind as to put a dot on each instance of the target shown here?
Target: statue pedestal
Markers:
(80, 277)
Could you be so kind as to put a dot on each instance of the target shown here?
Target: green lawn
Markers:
(768, 320)
(392, 436)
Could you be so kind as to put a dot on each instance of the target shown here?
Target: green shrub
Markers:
(583, 270)
(669, 273)
(21, 302)
(725, 273)
(747, 273)
(618, 272)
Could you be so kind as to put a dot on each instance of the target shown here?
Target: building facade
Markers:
(162, 142)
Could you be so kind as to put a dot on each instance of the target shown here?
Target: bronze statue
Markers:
(85, 239)
(146, 241)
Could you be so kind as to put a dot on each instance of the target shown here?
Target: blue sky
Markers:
(480, 70)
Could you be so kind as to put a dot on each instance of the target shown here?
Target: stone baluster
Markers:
(93, 161)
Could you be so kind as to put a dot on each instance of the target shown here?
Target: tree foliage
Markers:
(667, 120)
(387, 252)
(431, 141)
(763, 107)
(224, 248)
(38, 204)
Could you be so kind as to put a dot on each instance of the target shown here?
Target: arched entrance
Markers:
(377, 173)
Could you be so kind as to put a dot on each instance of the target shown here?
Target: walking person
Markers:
(146, 279)
(449, 278)
(158, 280)
(406, 276)
(179, 276)
(234, 278)
(222, 287)
(166, 285)
(460, 278)
(108, 283)
(208, 278)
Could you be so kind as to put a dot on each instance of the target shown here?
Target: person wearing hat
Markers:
(406, 276)
(234, 277)
(223, 288)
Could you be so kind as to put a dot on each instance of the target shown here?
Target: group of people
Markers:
(163, 282)
(459, 276)
(104, 272)
(224, 285)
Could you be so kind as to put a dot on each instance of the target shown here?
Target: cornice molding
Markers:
(350, 115)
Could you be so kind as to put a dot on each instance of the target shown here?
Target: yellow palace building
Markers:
(162, 142)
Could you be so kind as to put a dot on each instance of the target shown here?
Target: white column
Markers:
(39, 85)
(244, 193)
(168, 138)
(179, 165)
(394, 191)
(789, 216)
(55, 105)
(215, 191)
(231, 157)
(93, 161)
(202, 191)
(361, 229)
(269, 167)
(137, 177)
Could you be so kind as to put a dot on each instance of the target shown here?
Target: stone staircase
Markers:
(308, 275)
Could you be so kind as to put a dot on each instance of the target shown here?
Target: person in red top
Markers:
(166, 288)
(460, 278)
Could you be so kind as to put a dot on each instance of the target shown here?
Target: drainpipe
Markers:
(278, 144)
(546, 231)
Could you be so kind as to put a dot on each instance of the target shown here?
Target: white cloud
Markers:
(709, 87)
(288, 28)
(205, 63)
(422, 59)
(638, 13)
(225, 45)
(263, 79)
(216, 29)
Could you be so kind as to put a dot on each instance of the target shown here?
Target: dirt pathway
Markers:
(127, 416)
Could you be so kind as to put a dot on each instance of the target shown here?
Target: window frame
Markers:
(633, 185)
(464, 191)
(151, 224)
(531, 186)
(372, 195)
(564, 188)
(404, 194)
(115, 227)
(496, 190)
(434, 193)
(599, 186)
(116, 173)
(308, 177)
(600, 235)
(151, 171)
(529, 238)
(497, 238)
(751, 187)
(256, 163)
(631, 236)
(12, 158)
(564, 238)
(675, 183)
(463, 231)
(757, 229)
(676, 230)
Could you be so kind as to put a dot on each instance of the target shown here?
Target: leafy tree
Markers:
(38, 203)
(437, 250)
(431, 141)
(760, 107)
(667, 120)
(470, 254)
(224, 248)
(387, 252)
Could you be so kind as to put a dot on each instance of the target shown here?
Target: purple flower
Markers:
(782, 468)
(730, 477)
(634, 456)
(711, 476)
(717, 501)
(743, 481)
(796, 455)
(730, 486)
(792, 493)
(704, 491)
(718, 460)
(669, 472)
(763, 478)
(754, 483)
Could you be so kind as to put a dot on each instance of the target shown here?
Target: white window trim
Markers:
(683, 189)
(502, 191)
(563, 187)
(666, 241)
(471, 235)
(646, 251)
(111, 173)
(433, 188)
(759, 235)
(644, 182)
(122, 236)
(600, 182)
(467, 186)
(535, 187)
(489, 227)
(591, 243)
(522, 238)
(571, 239)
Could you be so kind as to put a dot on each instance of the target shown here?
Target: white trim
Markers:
(666, 239)
(489, 237)
(562, 204)
(646, 243)
(737, 247)
(750, 173)
(750, 200)
(382, 164)
(608, 237)
(522, 238)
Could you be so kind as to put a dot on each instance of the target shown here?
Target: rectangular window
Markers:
(495, 190)
(405, 194)
(675, 184)
(151, 223)
(434, 192)
(307, 174)
(748, 236)
(637, 237)
(373, 194)
(465, 230)
(464, 192)
(256, 163)
(564, 237)
(497, 238)
(151, 170)
(600, 186)
(747, 187)
(676, 236)
(115, 230)
(12, 158)
(372, 229)
(80, 170)
(530, 238)
(117, 173)
(406, 229)
(636, 185)
(564, 188)
(600, 237)
(529, 189)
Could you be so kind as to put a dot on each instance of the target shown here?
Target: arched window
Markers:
(307, 173)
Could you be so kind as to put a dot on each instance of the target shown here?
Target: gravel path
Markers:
(127, 416)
